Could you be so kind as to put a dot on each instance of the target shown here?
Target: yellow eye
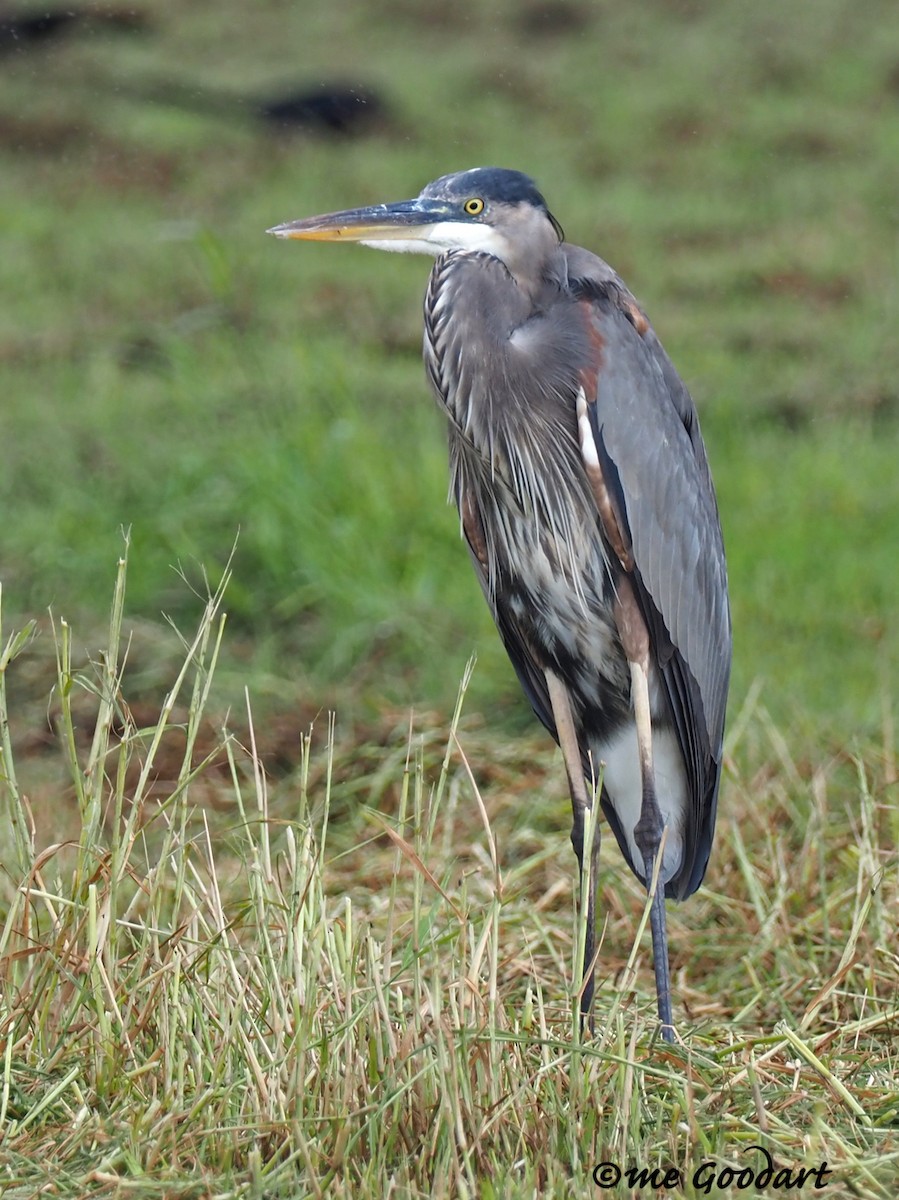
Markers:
(474, 206)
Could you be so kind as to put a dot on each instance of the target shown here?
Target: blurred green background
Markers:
(166, 366)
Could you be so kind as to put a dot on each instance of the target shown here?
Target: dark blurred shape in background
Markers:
(22, 30)
(336, 108)
(329, 108)
(326, 107)
(552, 18)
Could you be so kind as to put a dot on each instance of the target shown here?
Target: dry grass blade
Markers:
(210, 996)
(409, 853)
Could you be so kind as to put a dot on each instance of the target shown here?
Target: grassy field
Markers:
(356, 982)
(266, 956)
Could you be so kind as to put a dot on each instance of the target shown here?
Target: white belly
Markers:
(624, 790)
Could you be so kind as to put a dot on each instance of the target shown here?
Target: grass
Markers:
(246, 998)
(248, 949)
(168, 368)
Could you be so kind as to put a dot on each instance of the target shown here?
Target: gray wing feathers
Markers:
(645, 423)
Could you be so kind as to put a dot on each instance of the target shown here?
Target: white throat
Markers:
(446, 235)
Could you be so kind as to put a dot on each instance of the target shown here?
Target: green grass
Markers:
(300, 969)
(222, 986)
(167, 367)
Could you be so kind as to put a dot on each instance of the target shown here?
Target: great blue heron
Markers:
(585, 496)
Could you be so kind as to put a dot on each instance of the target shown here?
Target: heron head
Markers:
(487, 209)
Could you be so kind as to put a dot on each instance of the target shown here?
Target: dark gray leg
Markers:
(581, 805)
(588, 897)
(648, 836)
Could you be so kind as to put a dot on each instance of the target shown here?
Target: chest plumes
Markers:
(507, 372)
